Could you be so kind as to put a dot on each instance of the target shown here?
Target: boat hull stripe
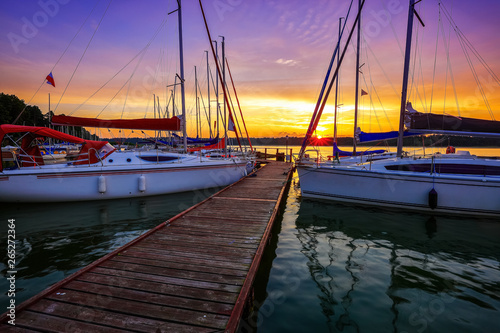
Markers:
(128, 172)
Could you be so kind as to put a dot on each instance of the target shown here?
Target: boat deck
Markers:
(193, 273)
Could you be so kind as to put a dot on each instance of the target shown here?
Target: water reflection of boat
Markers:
(395, 264)
(55, 240)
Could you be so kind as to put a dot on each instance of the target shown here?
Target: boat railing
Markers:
(306, 157)
(86, 157)
(96, 154)
(29, 159)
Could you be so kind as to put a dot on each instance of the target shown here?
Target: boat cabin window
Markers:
(159, 158)
(449, 168)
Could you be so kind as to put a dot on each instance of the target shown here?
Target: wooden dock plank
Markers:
(192, 273)
(175, 273)
(179, 258)
(207, 250)
(219, 233)
(7, 328)
(221, 222)
(152, 297)
(137, 308)
(168, 279)
(44, 322)
(205, 240)
(206, 243)
(128, 322)
(263, 188)
(187, 253)
(187, 267)
(160, 288)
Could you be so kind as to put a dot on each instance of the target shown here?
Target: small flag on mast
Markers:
(230, 126)
(363, 92)
(50, 80)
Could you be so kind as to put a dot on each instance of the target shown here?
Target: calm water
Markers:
(329, 267)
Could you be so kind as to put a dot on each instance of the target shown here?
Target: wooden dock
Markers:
(193, 273)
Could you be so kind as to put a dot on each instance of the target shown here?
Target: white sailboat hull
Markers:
(457, 194)
(96, 182)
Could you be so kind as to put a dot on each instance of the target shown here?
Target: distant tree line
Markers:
(11, 106)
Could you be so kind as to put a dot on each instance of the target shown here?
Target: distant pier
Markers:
(192, 273)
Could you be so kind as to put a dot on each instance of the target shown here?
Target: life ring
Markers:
(450, 150)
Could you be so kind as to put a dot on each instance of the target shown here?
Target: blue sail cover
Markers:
(198, 141)
(343, 153)
(367, 137)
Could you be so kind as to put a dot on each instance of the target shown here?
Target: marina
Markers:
(345, 179)
(324, 265)
(194, 265)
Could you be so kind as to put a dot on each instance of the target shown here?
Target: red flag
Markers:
(363, 92)
(50, 80)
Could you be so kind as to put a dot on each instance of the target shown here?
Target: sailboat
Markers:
(455, 183)
(347, 157)
(100, 171)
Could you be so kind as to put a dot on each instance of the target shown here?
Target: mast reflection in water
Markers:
(55, 240)
(341, 268)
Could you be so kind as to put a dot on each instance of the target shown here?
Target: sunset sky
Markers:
(278, 52)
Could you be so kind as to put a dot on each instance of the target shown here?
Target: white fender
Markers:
(142, 183)
(102, 184)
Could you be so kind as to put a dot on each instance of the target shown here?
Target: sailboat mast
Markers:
(154, 110)
(406, 69)
(226, 96)
(181, 64)
(224, 84)
(208, 92)
(173, 96)
(196, 101)
(159, 114)
(50, 124)
(356, 101)
(217, 88)
(50, 116)
(239, 107)
(337, 89)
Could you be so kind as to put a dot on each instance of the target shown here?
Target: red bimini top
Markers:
(33, 132)
(155, 124)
